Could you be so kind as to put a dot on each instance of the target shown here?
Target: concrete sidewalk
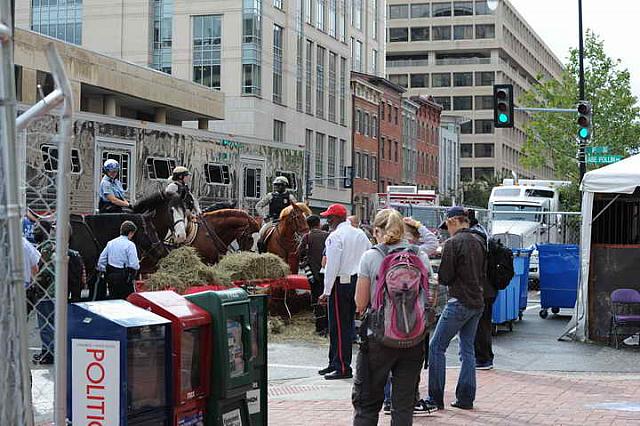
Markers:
(504, 398)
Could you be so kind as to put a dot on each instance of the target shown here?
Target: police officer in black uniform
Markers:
(274, 202)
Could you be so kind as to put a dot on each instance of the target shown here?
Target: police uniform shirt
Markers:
(119, 253)
(111, 186)
(344, 249)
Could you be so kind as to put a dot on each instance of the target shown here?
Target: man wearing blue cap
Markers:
(463, 270)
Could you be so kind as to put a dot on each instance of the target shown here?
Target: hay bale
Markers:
(252, 266)
(183, 268)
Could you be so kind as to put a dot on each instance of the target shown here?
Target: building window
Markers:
(441, 80)
(486, 31)
(308, 11)
(342, 24)
(463, 32)
(365, 166)
(419, 80)
(217, 174)
(374, 126)
(251, 47)
(462, 79)
(374, 168)
(358, 165)
(277, 4)
(484, 126)
(374, 19)
(445, 101)
(485, 78)
(485, 173)
(359, 55)
(482, 8)
(466, 150)
(320, 82)
(309, 77)
(419, 33)
(484, 150)
(331, 162)
(320, 15)
(441, 9)
(343, 91)
(291, 178)
(50, 159)
(420, 10)
(124, 160)
(382, 148)
(207, 41)
(356, 14)
(277, 63)
(319, 156)
(61, 19)
(398, 11)
(343, 156)
(279, 131)
(466, 128)
(399, 79)
(365, 124)
(253, 182)
(333, 18)
(441, 33)
(398, 35)
(162, 35)
(358, 121)
(160, 168)
(462, 8)
(308, 150)
(299, 73)
(333, 85)
(395, 152)
(466, 174)
(484, 102)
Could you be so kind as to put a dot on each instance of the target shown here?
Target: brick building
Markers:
(366, 99)
(427, 142)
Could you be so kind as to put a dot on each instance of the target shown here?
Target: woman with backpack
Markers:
(391, 345)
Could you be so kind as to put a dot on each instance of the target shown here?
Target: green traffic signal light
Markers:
(503, 118)
(583, 133)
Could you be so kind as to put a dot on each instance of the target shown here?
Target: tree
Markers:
(551, 137)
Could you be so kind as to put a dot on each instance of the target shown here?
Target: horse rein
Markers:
(221, 247)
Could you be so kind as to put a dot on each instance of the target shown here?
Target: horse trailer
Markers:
(225, 168)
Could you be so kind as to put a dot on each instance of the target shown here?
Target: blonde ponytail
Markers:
(390, 222)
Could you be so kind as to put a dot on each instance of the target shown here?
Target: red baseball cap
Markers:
(335, 210)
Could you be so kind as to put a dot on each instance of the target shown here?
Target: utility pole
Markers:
(581, 153)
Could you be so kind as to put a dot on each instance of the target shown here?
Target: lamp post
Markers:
(583, 144)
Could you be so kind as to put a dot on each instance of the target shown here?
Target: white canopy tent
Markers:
(618, 178)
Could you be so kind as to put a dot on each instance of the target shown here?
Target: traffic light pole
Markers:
(583, 144)
(525, 109)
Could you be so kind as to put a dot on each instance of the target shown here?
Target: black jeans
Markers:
(342, 310)
(319, 311)
(374, 364)
(483, 348)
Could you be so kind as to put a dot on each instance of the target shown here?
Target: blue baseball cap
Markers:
(452, 212)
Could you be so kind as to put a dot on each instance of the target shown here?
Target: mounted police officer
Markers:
(179, 184)
(274, 202)
(112, 197)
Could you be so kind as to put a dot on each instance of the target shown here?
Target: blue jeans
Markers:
(458, 319)
(44, 309)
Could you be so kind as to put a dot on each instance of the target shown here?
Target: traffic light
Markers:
(584, 120)
(348, 177)
(503, 105)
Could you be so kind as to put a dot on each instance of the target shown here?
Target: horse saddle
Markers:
(192, 232)
(265, 233)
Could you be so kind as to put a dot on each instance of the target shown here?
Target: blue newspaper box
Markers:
(119, 365)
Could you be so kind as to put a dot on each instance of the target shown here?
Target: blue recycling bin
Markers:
(559, 268)
(521, 258)
(506, 307)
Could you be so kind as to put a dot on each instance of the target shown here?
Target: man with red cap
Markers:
(344, 248)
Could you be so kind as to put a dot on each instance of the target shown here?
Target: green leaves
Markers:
(551, 137)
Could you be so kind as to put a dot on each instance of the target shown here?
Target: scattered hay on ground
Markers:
(252, 266)
(300, 328)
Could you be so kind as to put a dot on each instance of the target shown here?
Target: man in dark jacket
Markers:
(310, 254)
(463, 271)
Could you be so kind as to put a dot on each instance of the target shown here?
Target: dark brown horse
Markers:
(283, 241)
(218, 229)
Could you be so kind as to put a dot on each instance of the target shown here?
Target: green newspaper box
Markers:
(257, 396)
(232, 368)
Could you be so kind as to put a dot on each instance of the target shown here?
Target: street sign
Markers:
(597, 150)
(603, 159)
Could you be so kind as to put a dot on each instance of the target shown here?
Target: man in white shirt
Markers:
(344, 248)
(119, 260)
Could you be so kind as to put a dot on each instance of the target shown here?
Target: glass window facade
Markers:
(419, 33)
(420, 10)
(398, 11)
(462, 8)
(320, 58)
(419, 80)
(251, 47)
(445, 101)
(441, 80)
(279, 129)
(484, 102)
(399, 79)
(462, 79)
(309, 78)
(484, 150)
(486, 31)
(320, 157)
(463, 32)
(343, 91)
(483, 126)
(61, 19)
(462, 103)
(277, 63)
(485, 78)
(398, 35)
(333, 85)
(441, 9)
(466, 150)
(207, 42)
(162, 35)
(441, 33)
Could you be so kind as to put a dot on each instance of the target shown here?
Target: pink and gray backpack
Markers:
(398, 318)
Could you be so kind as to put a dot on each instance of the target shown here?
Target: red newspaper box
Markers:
(190, 350)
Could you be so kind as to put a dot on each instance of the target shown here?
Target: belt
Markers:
(114, 269)
(345, 278)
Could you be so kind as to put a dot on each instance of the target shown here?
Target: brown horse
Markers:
(218, 229)
(282, 241)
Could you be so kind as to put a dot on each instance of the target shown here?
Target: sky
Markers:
(615, 21)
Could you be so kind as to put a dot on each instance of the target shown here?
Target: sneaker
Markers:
(431, 406)
(327, 370)
(457, 404)
(422, 407)
(386, 407)
(633, 340)
(484, 366)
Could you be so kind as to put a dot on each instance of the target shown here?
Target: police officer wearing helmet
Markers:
(273, 203)
(112, 197)
(119, 261)
(179, 184)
